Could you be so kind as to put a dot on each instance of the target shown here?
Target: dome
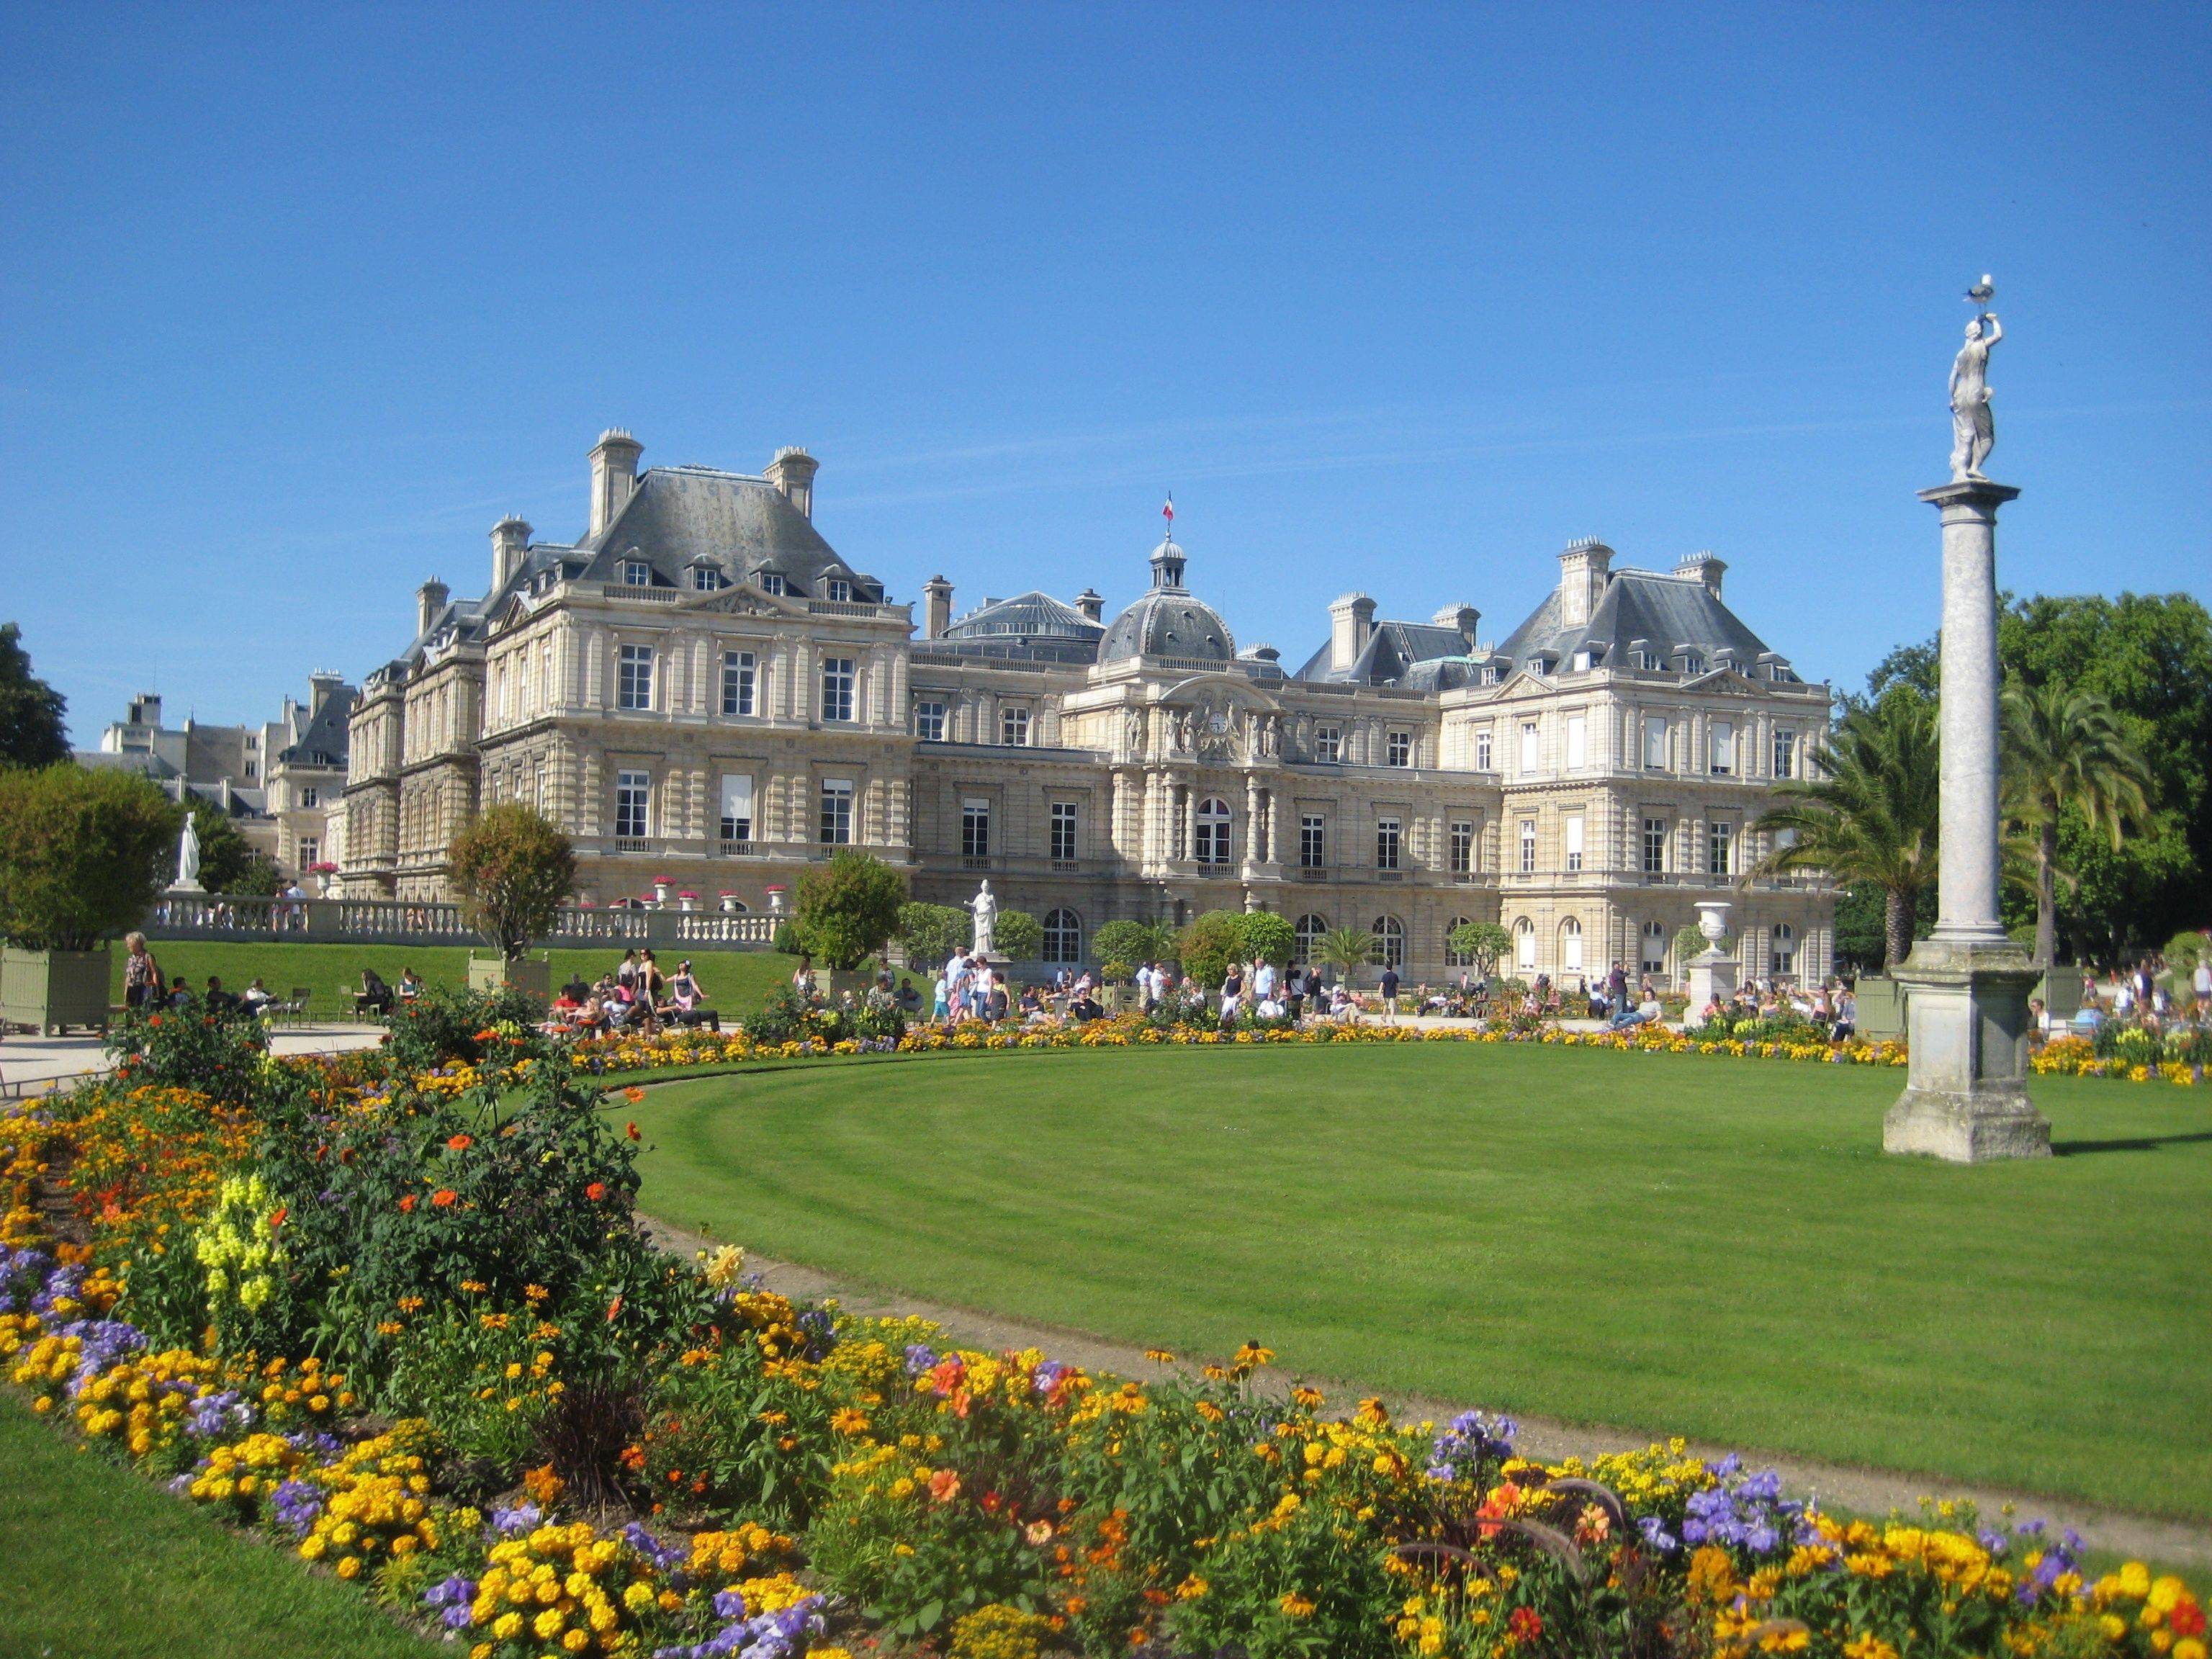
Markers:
(1168, 621)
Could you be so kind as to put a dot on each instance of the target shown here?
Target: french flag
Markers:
(1167, 512)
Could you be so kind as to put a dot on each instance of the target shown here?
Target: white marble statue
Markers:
(986, 908)
(1973, 432)
(188, 858)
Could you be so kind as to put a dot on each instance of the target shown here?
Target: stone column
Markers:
(1967, 985)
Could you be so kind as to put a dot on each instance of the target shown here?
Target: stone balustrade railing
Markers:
(405, 921)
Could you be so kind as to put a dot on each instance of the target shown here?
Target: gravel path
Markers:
(1863, 1490)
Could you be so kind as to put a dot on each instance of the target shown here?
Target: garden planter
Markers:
(1881, 1007)
(48, 990)
(835, 981)
(490, 972)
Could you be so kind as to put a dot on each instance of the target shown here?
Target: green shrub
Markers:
(931, 932)
(1016, 936)
(848, 909)
(83, 854)
(514, 871)
(446, 1023)
(1210, 944)
(221, 1053)
(1266, 937)
(1133, 942)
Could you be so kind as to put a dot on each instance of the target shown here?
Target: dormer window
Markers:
(705, 579)
(772, 581)
(837, 590)
(1582, 661)
(1693, 662)
(1490, 674)
(636, 573)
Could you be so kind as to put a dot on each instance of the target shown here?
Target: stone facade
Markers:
(701, 688)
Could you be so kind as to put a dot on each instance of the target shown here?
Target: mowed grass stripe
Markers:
(1714, 1248)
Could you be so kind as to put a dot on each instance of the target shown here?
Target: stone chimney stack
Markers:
(146, 709)
(1584, 569)
(1704, 568)
(1350, 625)
(429, 600)
(322, 686)
(936, 608)
(792, 472)
(1463, 618)
(1091, 603)
(613, 474)
(510, 540)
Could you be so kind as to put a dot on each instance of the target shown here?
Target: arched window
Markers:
(1063, 936)
(1212, 831)
(1783, 949)
(1389, 941)
(1524, 946)
(1455, 957)
(1310, 929)
(1654, 947)
(1570, 946)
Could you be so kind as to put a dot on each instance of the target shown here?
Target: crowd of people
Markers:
(635, 995)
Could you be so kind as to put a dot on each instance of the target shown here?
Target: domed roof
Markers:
(1168, 621)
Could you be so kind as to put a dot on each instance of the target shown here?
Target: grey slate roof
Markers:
(1169, 622)
(743, 525)
(1390, 654)
(1666, 613)
(1033, 625)
(323, 743)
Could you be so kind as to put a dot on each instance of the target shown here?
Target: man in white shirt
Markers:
(1263, 981)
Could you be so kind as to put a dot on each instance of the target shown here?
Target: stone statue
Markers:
(986, 908)
(188, 859)
(1973, 433)
(1135, 736)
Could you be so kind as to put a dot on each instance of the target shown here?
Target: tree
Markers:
(1266, 937)
(228, 862)
(930, 933)
(1873, 818)
(514, 871)
(2064, 748)
(83, 853)
(1482, 943)
(1126, 943)
(1210, 944)
(1344, 948)
(1016, 936)
(1690, 943)
(848, 909)
(32, 732)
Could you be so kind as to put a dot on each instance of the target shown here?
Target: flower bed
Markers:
(465, 1383)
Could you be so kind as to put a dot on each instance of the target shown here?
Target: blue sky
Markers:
(296, 302)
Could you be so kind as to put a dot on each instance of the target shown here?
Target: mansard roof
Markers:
(680, 516)
(1389, 655)
(1667, 613)
(324, 741)
(1033, 625)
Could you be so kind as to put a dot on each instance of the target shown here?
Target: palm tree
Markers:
(1873, 818)
(2065, 747)
(1345, 948)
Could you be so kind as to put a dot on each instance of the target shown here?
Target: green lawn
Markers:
(735, 980)
(96, 1563)
(1680, 1244)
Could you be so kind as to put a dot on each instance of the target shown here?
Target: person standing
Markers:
(142, 974)
(2200, 982)
(1232, 993)
(1389, 994)
(1263, 981)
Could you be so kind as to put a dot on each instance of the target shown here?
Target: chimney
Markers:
(429, 600)
(1091, 603)
(510, 539)
(1463, 618)
(792, 472)
(322, 686)
(1584, 569)
(613, 474)
(1703, 567)
(936, 608)
(1351, 624)
(146, 709)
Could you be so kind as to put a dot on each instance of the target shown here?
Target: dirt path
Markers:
(1865, 1491)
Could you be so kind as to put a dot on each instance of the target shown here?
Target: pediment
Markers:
(1233, 690)
(741, 599)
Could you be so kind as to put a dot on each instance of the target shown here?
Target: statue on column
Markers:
(1973, 432)
(986, 910)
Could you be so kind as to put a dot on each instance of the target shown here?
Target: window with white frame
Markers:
(1482, 752)
(837, 590)
(1782, 950)
(1580, 663)
(1399, 745)
(1454, 957)
(1720, 847)
(705, 579)
(1524, 946)
(1389, 941)
(1654, 947)
(1693, 662)
(772, 581)
(636, 573)
(1063, 832)
(1328, 744)
(1531, 750)
(311, 852)
(1574, 838)
(1063, 936)
(1527, 847)
(632, 806)
(1723, 742)
(1490, 674)
(1390, 837)
(741, 681)
(1212, 831)
(1571, 945)
(975, 828)
(1313, 841)
(1785, 752)
(837, 678)
(1577, 742)
(1655, 847)
(1307, 933)
(308, 796)
(929, 719)
(1462, 847)
(737, 815)
(837, 811)
(1014, 728)
(1655, 742)
(633, 677)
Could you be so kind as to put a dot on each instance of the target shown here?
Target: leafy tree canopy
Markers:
(515, 872)
(1483, 942)
(931, 932)
(83, 854)
(1130, 944)
(848, 909)
(32, 732)
(1016, 936)
(1208, 946)
(1267, 938)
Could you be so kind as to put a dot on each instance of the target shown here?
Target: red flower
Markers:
(634, 1132)
(614, 1308)
(461, 1143)
(277, 1219)
(633, 1094)
(154, 1019)
(596, 1191)
(1525, 1626)
(444, 1197)
(407, 1204)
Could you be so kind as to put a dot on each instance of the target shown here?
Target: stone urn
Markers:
(661, 888)
(687, 901)
(1712, 921)
(775, 899)
(729, 903)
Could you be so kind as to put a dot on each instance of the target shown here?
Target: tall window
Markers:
(1454, 957)
(633, 804)
(633, 677)
(311, 852)
(1654, 947)
(1462, 848)
(837, 678)
(308, 797)
(1655, 742)
(737, 806)
(1063, 936)
(1309, 930)
(1524, 946)
(1213, 831)
(837, 811)
(1531, 750)
(1782, 952)
(740, 675)
(836, 588)
(1571, 945)
(1655, 847)
(975, 828)
(929, 720)
(1389, 941)
(1014, 728)
(636, 573)
(1723, 747)
(1482, 752)
(1313, 841)
(1328, 744)
(1400, 748)
(1574, 827)
(1063, 835)
(1577, 742)
(1786, 753)
(1720, 848)
(1388, 839)
(1527, 847)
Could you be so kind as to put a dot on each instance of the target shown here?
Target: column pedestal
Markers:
(1967, 1023)
(1712, 976)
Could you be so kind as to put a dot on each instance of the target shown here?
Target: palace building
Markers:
(699, 689)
